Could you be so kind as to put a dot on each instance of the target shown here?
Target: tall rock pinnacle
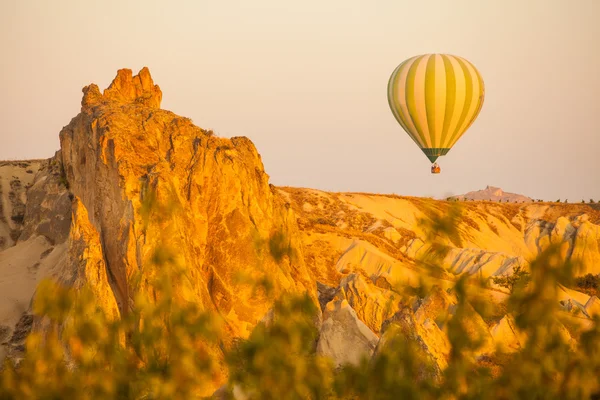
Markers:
(126, 88)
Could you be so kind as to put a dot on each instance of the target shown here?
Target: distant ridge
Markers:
(491, 193)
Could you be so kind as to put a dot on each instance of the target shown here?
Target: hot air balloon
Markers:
(435, 98)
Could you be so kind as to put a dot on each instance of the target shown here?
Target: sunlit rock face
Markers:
(223, 219)
(425, 336)
(77, 218)
(344, 338)
(372, 304)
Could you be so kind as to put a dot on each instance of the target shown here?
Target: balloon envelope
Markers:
(435, 98)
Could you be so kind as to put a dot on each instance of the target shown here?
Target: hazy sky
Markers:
(306, 81)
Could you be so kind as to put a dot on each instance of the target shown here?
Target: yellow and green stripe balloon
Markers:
(435, 98)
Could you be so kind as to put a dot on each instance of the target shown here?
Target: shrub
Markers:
(63, 181)
(588, 283)
(518, 277)
(17, 218)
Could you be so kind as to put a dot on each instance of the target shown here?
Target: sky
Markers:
(306, 82)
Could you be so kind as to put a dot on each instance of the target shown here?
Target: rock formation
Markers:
(15, 180)
(39, 247)
(491, 193)
(122, 147)
(507, 337)
(592, 307)
(430, 342)
(344, 337)
(372, 304)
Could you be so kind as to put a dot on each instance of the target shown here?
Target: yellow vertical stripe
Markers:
(430, 83)
(411, 103)
(459, 99)
(440, 99)
(420, 102)
(399, 94)
(450, 92)
(472, 97)
(480, 95)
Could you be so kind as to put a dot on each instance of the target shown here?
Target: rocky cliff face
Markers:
(80, 220)
(225, 218)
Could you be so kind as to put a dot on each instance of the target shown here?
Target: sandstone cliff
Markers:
(225, 218)
(81, 220)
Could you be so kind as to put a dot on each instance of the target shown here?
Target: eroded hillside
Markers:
(384, 234)
(388, 238)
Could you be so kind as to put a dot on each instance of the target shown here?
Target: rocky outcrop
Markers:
(372, 304)
(126, 88)
(426, 338)
(39, 249)
(14, 348)
(87, 267)
(491, 193)
(507, 337)
(344, 338)
(81, 219)
(16, 177)
(224, 219)
(439, 306)
(592, 307)
(584, 244)
(48, 211)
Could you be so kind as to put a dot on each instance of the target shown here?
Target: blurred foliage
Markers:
(166, 348)
(280, 246)
(278, 360)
